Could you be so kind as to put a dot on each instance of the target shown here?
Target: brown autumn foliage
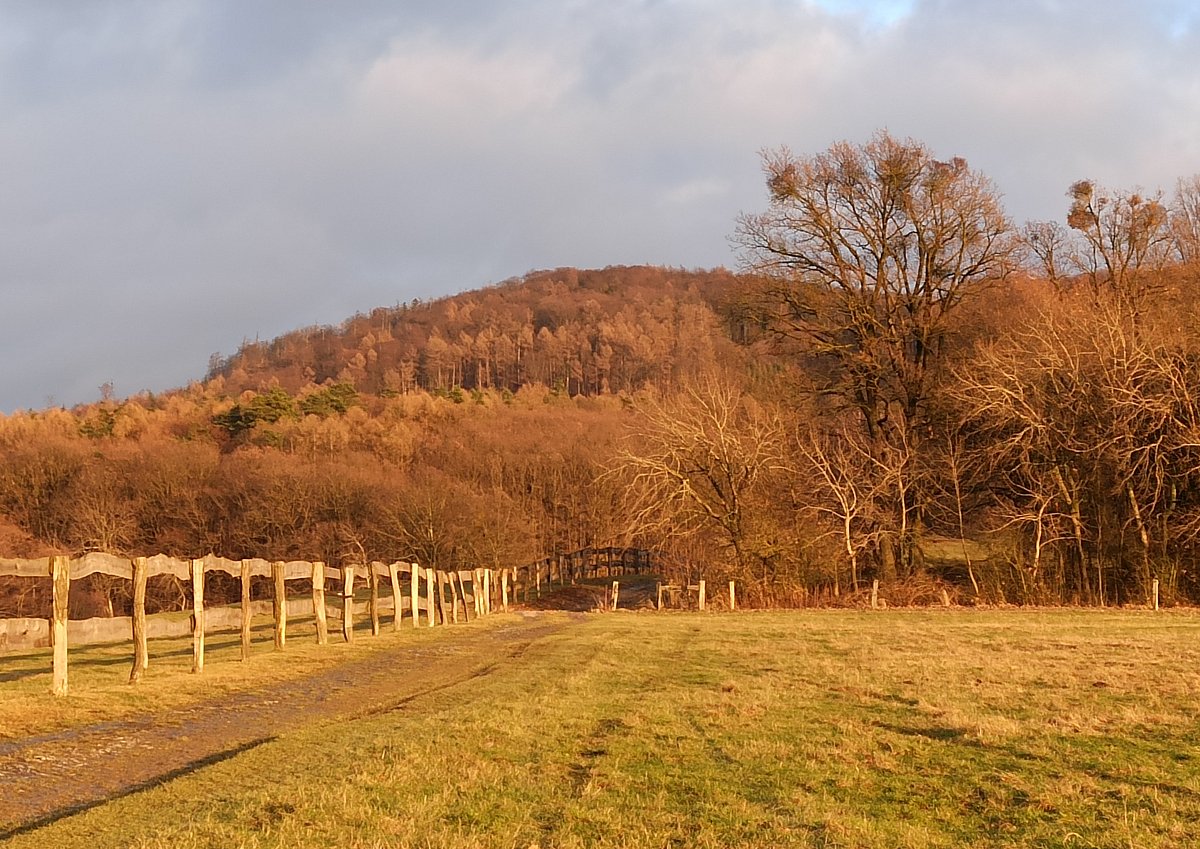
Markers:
(582, 332)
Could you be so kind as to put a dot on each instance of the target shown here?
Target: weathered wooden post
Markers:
(454, 597)
(416, 593)
(659, 586)
(701, 593)
(1154, 586)
(245, 576)
(197, 616)
(537, 569)
(348, 602)
(732, 597)
(397, 594)
(141, 654)
(60, 578)
(504, 589)
(442, 578)
(429, 588)
(373, 602)
(616, 591)
(875, 594)
(279, 604)
(462, 588)
(318, 598)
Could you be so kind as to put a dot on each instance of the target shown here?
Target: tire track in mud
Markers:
(51, 776)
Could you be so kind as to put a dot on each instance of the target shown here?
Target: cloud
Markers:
(180, 175)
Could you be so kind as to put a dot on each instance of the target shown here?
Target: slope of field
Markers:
(900, 729)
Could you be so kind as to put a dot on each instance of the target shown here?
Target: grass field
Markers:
(842, 729)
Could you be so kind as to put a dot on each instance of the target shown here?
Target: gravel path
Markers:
(54, 775)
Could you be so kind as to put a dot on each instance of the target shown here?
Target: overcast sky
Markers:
(179, 175)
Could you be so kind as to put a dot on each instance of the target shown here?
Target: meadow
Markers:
(939, 728)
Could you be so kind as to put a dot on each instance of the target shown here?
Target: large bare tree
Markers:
(870, 248)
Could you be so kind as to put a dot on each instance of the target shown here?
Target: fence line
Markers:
(473, 589)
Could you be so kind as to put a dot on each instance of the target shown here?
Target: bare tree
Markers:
(871, 249)
(842, 483)
(1185, 219)
(696, 462)
(1126, 239)
(1048, 246)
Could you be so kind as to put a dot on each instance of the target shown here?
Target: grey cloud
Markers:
(181, 175)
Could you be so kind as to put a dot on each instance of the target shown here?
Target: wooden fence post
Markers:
(504, 589)
(279, 603)
(416, 593)
(60, 578)
(1155, 588)
(732, 597)
(429, 600)
(875, 594)
(454, 597)
(537, 568)
(442, 578)
(318, 595)
(245, 609)
(197, 616)
(463, 592)
(348, 602)
(141, 654)
(397, 594)
(373, 603)
(616, 591)
(659, 585)
(701, 593)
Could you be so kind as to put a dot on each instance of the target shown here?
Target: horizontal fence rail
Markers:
(427, 595)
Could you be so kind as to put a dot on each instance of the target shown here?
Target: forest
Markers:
(898, 384)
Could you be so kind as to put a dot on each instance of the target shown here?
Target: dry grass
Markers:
(825, 728)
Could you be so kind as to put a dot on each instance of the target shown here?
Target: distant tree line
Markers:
(581, 332)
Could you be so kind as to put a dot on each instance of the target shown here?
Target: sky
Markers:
(182, 175)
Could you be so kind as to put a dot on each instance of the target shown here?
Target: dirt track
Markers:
(50, 776)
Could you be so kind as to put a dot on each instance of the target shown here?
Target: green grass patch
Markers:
(840, 729)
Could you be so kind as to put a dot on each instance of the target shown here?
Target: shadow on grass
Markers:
(71, 810)
(941, 733)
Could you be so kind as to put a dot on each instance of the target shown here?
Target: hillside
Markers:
(583, 332)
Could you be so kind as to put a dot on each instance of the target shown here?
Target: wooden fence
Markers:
(432, 595)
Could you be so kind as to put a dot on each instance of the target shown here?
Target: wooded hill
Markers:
(580, 332)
